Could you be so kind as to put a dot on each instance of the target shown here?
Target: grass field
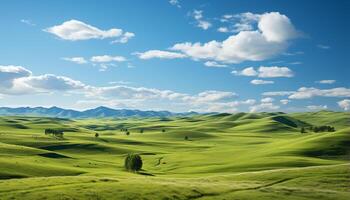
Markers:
(227, 156)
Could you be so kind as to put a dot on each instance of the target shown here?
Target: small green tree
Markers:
(127, 133)
(133, 162)
(163, 130)
(141, 130)
(96, 135)
(302, 130)
(186, 137)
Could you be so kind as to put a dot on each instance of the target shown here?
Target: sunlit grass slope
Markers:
(226, 156)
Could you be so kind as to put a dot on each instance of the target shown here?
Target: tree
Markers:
(302, 130)
(96, 135)
(133, 162)
(127, 133)
(163, 130)
(186, 137)
(141, 130)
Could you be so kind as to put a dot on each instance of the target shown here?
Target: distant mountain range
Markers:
(91, 113)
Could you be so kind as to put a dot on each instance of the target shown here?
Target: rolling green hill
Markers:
(226, 156)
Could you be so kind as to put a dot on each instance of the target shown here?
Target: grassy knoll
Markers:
(238, 156)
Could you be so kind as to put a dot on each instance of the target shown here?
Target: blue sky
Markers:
(224, 56)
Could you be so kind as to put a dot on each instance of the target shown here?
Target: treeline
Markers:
(318, 129)
(54, 132)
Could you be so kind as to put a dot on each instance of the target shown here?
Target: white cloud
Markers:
(49, 82)
(241, 22)
(249, 71)
(76, 30)
(9, 73)
(276, 27)
(28, 22)
(272, 36)
(326, 81)
(272, 72)
(107, 58)
(267, 100)
(264, 107)
(175, 3)
(260, 82)
(278, 93)
(18, 80)
(201, 23)
(78, 60)
(125, 38)
(223, 29)
(285, 101)
(344, 104)
(266, 72)
(307, 93)
(321, 46)
(159, 54)
(214, 64)
(317, 107)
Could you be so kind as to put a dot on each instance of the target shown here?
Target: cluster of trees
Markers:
(125, 130)
(54, 132)
(318, 129)
(133, 162)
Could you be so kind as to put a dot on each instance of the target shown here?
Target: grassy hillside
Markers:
(226, 156)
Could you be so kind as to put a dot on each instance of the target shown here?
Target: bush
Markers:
(96, 135)
(133, 162)
(186, 137)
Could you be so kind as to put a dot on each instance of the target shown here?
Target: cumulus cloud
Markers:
(326, 81)
(107, 58)
(285, 101)
(272, 72)
(266, 72)
(260, 82)
(344, 104)
(175, 3)
(49, 82)
(278, 93)
(317, 107)
(223, 29)
(9, 73)
(267, 100)
(270, 39)
(201, 23)
(76, 30)
(263, 107)
(124, 38)
(19, 80)
(307, 93)
(214, 64)
(77, 60)
(159, 54)
(240, 22)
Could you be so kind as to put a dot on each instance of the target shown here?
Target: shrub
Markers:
(133, 162)
(302, 130)
(186, 137)
(96, 135)
(127, 133)
(163, 130)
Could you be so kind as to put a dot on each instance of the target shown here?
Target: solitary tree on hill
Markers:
(133, 162)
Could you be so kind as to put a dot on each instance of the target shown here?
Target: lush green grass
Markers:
(239, 156)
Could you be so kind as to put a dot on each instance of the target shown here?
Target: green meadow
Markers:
(220, 156)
